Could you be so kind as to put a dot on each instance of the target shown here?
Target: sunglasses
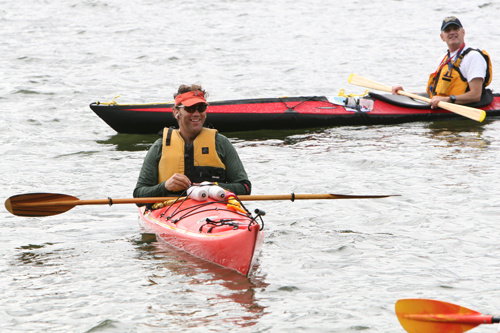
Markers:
(452, 27)
(197, 107)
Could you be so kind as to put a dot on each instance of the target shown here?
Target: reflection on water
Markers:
(285, 135)
(142, 142)
(455, 132)
(464, 133)
(198, 273)
(37, 255)
(130, 142)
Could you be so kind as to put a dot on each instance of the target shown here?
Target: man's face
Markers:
(453, 35)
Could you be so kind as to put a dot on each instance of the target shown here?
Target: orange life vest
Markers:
(452, 82)
(199, 161)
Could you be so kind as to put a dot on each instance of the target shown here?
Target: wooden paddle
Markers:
(47, 204)
(466, 111)
(429, 316)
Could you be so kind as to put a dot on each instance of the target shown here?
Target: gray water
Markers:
(326, 266)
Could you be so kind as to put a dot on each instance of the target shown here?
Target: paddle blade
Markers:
(294, 196)
(430, 316)
(471, 113)
(40, 204)
(358, 80)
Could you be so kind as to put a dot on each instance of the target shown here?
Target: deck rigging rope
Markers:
(343, 94)
(306, 99)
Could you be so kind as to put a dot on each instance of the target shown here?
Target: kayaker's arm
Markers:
(471, 96)
(474, 93)
(147, 183)
(237, 178)
(397, 88)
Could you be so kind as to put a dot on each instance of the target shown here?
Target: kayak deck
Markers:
(282, 113)
(209, 230)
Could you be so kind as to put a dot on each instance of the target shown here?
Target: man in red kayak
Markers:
(192, 154)
(462, 74)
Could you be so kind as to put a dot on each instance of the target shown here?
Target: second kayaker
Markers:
(463, 73)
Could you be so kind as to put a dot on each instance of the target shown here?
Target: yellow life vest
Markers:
(199, 161)
(451, 81)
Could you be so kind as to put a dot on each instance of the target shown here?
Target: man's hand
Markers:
(177, 182)
(436, 99)
(396, 88)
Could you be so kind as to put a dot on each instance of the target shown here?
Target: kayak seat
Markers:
(402, 101)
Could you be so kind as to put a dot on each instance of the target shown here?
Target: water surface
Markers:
(326, 266)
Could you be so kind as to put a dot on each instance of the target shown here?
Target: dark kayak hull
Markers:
(279, 113)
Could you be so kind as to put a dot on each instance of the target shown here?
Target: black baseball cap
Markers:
(449, 21)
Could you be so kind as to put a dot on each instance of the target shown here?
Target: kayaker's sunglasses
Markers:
(200, 107)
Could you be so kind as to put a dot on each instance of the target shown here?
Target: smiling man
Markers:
(192, 154)
(462, 74)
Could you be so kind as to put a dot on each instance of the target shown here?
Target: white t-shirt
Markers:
(472, 66)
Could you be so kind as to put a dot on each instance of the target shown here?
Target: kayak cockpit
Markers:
(408, 102)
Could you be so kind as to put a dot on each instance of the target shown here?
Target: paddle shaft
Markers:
(46, 204)
(147, 200)
(466, 111)
(293, 197)
(454, 318)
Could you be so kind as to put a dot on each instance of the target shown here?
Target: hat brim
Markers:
(190, 98)
(450, 23)
(193, 101)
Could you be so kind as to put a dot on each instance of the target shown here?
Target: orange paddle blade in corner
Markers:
(430, 316)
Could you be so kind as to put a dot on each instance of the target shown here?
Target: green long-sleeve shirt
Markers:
(237, 179)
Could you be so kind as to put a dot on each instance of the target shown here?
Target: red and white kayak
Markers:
(213, 230)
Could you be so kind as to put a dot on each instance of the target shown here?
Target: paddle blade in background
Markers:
(40, 204)
(430, 316)
(358, 80)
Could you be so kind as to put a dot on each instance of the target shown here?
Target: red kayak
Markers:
(285, 113)
(220, 231)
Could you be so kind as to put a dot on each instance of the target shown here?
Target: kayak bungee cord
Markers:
(200, 194)
(306, 99)
(206, 207)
